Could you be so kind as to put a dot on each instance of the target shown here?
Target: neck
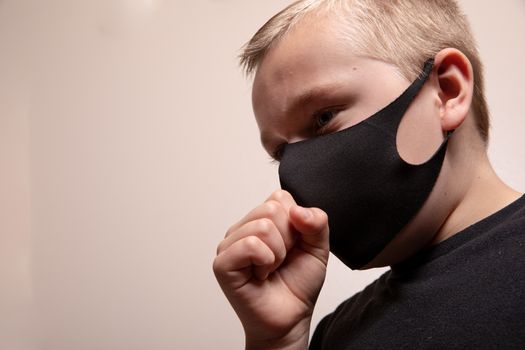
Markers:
(483, 196)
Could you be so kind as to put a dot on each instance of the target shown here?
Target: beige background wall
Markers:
(127, 148)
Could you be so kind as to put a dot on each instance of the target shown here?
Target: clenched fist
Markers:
(271, 266)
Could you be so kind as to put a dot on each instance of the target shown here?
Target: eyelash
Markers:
(319, 126)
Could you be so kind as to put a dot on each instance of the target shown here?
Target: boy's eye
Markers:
(323, 118)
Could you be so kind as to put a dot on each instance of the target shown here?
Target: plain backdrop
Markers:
(128, 147)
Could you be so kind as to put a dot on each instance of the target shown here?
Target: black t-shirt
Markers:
(467, 292)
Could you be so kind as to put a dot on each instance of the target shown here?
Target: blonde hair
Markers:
(403, 32)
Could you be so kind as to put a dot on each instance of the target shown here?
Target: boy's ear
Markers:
(455, 87)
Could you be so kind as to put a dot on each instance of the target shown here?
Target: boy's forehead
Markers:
(312, 41)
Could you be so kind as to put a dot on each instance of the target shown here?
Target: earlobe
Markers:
(455, 84)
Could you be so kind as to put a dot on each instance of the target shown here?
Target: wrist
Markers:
(281, 344)
(296, 339)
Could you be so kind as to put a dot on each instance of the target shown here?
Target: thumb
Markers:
(312, 225)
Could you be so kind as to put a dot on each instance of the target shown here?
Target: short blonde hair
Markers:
(403, 32)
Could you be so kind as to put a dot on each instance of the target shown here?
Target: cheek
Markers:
(420, 135)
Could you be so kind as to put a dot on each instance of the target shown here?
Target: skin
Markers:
(272, 263)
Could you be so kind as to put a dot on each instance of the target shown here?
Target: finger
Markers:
(286, 200)
(234, 267)
(280, 196)
(266, 231)
(277, 213)
(312, 225)
(283, 197)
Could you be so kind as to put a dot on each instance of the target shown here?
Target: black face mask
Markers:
(358, 178)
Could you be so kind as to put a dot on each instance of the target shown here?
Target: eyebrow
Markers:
(308, 96)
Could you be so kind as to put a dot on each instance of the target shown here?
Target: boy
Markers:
(376, 111)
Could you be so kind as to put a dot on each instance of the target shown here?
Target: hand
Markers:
(271, 266)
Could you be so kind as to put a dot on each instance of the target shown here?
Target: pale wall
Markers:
(127, 147)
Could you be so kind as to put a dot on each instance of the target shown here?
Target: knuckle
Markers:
(216, 266)
(281, 195)
(219, 248)
(272, 208)
(251, 242)
(264, 226)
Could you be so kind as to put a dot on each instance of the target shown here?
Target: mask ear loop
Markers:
(442, 147)
(389, 118)
(413, 91)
